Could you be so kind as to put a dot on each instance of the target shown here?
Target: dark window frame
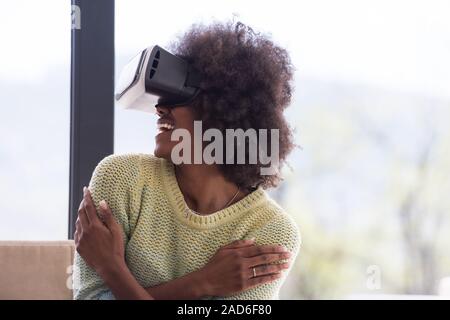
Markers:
(91, 95)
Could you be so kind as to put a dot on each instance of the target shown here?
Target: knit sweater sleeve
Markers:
(116, 179)
(281, 230)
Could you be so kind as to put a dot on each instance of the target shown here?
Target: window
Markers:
(369, 185)
(34, 119)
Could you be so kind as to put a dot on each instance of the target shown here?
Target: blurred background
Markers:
(369, 183)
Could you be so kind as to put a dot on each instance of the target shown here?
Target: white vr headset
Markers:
(156, 77)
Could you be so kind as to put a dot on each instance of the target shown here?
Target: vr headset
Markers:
(156, 77)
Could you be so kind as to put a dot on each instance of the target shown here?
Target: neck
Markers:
(204, 187)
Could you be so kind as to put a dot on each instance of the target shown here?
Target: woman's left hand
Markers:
(98, 242)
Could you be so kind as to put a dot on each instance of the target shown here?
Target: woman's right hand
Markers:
(230, 270)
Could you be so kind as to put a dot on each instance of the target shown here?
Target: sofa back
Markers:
(36, 269)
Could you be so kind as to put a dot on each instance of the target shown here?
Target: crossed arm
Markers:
(99, 241)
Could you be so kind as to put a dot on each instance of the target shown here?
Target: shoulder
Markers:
(279, 227)
(120, 160)
(129, 169)
(126, 164)
(118, 169)
(119, 179)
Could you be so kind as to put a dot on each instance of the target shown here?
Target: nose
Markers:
(161, 110)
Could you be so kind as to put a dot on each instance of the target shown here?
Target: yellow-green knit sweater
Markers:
(163, 241)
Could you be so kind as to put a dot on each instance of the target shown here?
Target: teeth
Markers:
(166, 126)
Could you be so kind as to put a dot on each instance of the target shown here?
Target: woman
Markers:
(150, 229)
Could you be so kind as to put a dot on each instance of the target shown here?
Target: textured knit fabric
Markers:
(163, 240)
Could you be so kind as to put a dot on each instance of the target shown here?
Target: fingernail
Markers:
(251, 239)
(103, 204)
(84, 189)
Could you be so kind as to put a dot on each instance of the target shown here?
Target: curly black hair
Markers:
(246, 83)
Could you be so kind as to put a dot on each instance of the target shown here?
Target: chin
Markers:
(163, 151)
(161, 148)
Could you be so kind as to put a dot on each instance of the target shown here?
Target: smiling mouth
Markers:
(163, 127)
